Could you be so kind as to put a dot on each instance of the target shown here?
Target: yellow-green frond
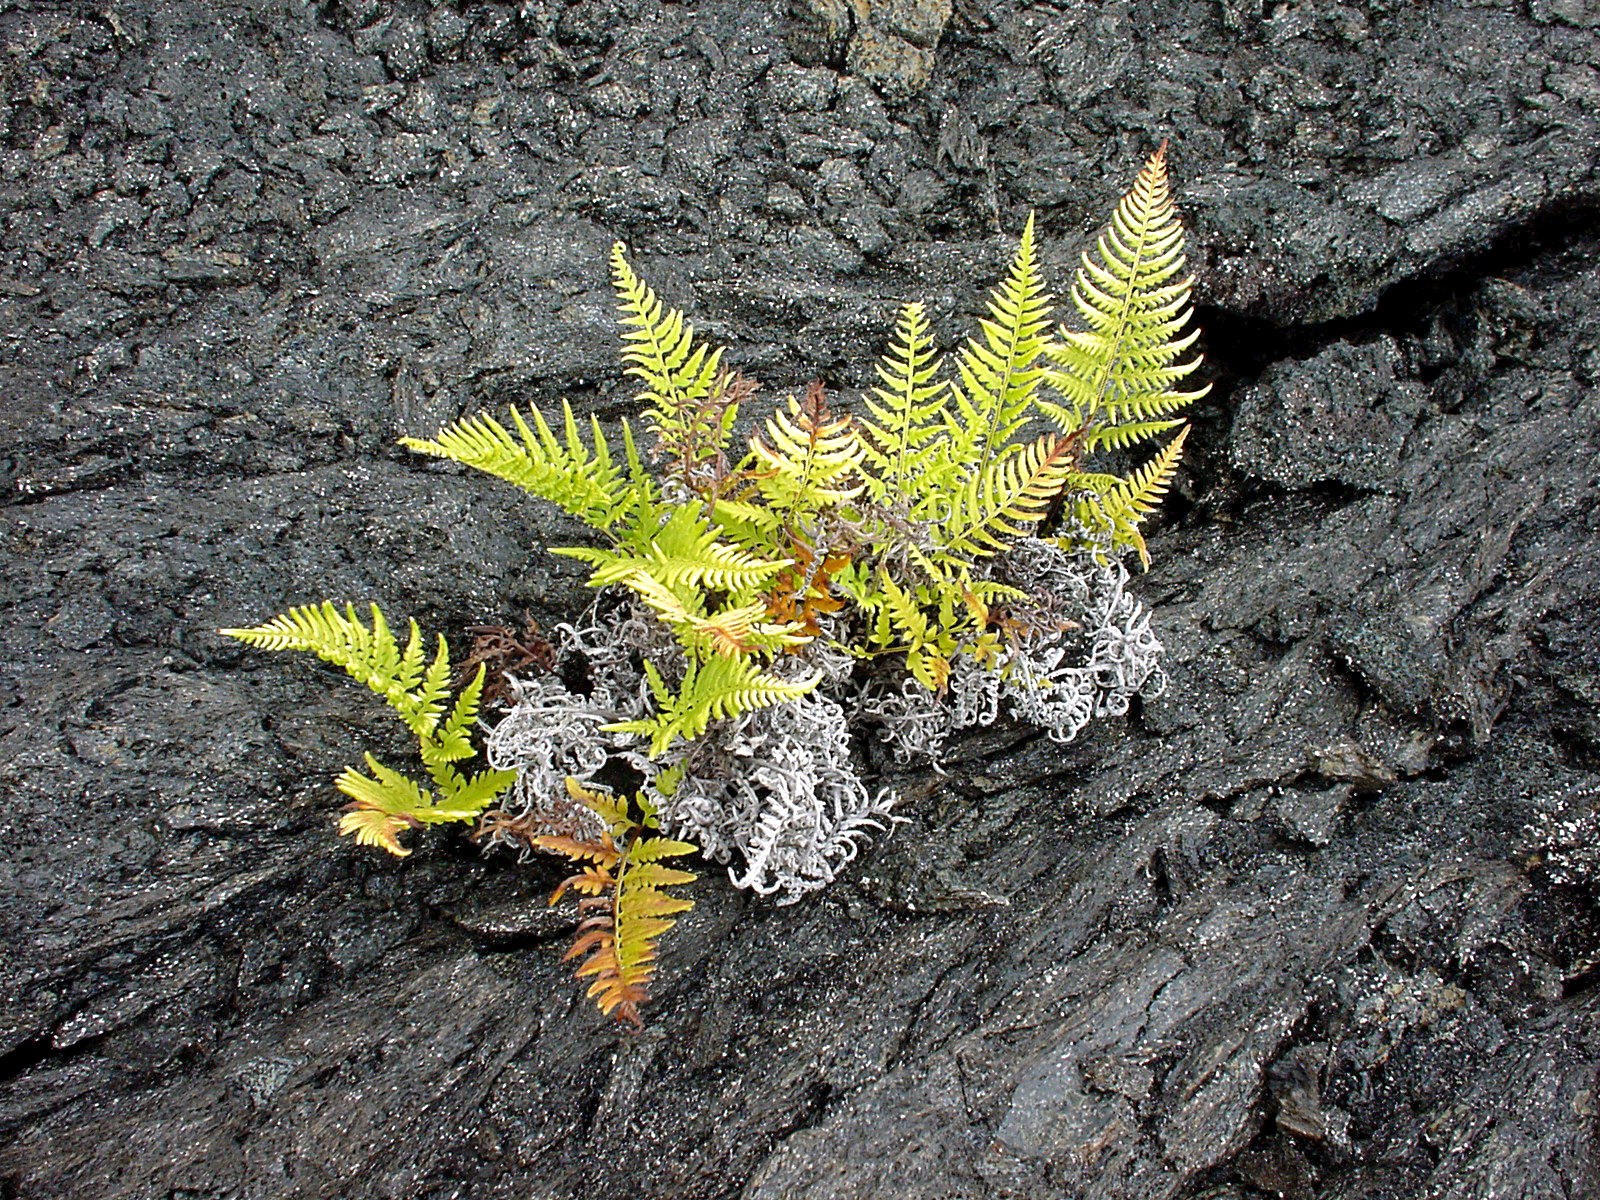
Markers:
(999, 372)
(690, 401)
(607, 805)
(1120, 437)
(1136, 498)
(992, 508)
(808, 460)
(453, 740)
(908, 414)
(377, 829)
(387, 803)
(715, 689)
(1117, 379)
(684, 552)
(589, 485)
(368, 654)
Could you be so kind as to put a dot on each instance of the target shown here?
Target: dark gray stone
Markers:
(1317, 922)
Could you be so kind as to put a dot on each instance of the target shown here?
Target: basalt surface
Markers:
(1319, 922)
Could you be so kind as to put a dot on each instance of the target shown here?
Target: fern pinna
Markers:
(954, 530)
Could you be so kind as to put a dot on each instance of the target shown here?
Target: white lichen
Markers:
(1084, 649)
(775, 794)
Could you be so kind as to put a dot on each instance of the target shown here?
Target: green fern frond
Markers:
(701, 587)
(745, 522)
(813, 460)
(388, 791)
(1121, 437)
(989, 592)
(387, 802)
(589, 486)
(929, 622)
(731, 629)
(902, 440)
(714, 565)
(991, 509)
(369, 655)
(690, 402)
(999, 374)
(452, 740)
(900, 617)
(1123, 369)
(718, 688)
(684, 552)
(1126, 507)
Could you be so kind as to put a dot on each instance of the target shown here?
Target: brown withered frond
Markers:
(696, 448)
(501, 651)
(803, 592)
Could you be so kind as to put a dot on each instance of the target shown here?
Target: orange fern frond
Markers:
(803, 591)
(625, 908)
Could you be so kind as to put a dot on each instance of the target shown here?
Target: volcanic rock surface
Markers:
(1319, 922)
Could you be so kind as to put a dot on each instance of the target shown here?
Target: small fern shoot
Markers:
(690, 401)
(387, 803)
(813, 461)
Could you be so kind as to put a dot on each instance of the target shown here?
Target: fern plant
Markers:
(949, 548)
(625, 905)
(387, 803)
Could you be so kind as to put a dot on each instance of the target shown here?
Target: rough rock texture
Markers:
(1321, 922)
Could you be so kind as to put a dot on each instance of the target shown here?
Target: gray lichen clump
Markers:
(777, 795)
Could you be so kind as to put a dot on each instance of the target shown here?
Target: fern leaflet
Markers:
(717, 688)
(684, 553)
(1125, 506)
(990, 510)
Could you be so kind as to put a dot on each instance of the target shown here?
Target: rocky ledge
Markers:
(1319, 922)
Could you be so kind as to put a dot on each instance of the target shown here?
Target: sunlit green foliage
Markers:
(873, 533)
